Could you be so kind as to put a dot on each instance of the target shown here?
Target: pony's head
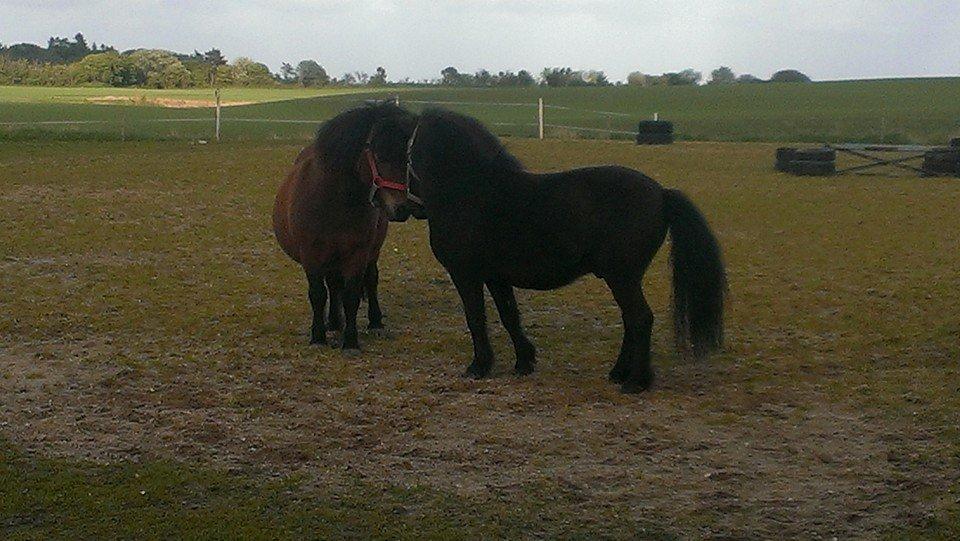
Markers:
(384, 161)
(360, 146)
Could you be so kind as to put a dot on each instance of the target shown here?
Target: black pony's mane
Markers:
(463, 143)
(340, 140)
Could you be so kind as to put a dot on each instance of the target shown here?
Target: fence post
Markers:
(217, 96)
(540, 117)
(396, 100)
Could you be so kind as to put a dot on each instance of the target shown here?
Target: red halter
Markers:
(378, 180)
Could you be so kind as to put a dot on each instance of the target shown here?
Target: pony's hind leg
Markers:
(633, 370)
(335, 285)
(506, 303)
(317, 292)
(374, 315)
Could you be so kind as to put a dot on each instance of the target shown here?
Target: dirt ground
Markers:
(831, 413)
(164, 102)
(783, 470)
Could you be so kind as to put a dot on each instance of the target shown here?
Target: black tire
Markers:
(785, 156)
(942, 161)
(813, 168)
(816, 155)
(654, 138)
(655, 126)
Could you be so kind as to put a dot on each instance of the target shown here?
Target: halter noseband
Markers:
(379, 181)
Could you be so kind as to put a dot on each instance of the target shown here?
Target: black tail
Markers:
(699, 279)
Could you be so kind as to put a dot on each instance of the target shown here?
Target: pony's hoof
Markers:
(378, 331)
(635, 385)
(618, 375)
(524, 369)
(526, 359)
(477, 371)
(317, 341)
(375, 326)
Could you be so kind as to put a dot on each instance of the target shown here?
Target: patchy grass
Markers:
(151, 327)
(44, 498)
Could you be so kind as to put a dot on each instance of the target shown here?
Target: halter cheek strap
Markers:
(410, 172)
(379, 181)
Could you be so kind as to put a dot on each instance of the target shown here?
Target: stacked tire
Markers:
(655, 132)
(943, 161)
(808, 162)
(785, 157)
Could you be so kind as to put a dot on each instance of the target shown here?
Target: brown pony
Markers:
(331, 213)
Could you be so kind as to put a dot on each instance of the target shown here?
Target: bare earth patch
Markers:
(174, 103)
(781, 471)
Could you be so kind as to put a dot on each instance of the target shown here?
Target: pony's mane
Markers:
(479, 148)
(340, 140)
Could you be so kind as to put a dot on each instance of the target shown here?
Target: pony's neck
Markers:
(495, 183)
(346, 185)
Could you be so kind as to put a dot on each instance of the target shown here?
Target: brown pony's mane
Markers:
(340, 140)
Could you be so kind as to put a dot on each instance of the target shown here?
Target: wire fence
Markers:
(299, 119)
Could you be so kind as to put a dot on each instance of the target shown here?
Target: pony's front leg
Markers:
(471, 295)
(506, 302)
(351, 303)
(371, 278)
(317, 292)
(335, 287)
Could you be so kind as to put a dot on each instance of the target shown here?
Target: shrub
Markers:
(109, 68)
(160, 69)
(789, 76)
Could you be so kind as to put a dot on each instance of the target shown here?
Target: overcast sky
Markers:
(827, 39)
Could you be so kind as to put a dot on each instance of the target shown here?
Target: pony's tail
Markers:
(699, 279)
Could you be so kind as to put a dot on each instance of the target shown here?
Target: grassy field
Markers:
(892, 111)
(155, 375)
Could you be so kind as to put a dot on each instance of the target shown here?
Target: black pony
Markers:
(493, 223)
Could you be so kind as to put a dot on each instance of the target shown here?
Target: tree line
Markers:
(65, 62)
(720, 76)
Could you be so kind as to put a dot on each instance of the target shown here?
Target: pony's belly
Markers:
(543, 276)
